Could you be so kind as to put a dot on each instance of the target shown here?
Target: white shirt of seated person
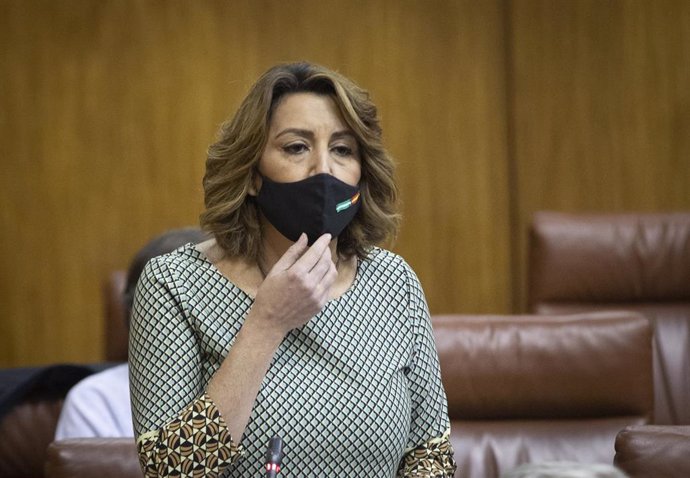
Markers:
(98, 406)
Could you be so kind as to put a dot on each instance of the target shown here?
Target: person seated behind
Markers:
(99, 405)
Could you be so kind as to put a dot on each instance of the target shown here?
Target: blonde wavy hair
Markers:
(231, 214)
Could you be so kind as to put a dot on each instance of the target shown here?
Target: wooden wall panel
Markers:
(107, 107)
(450, 138)
(599, 109)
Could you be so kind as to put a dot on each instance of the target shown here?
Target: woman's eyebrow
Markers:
(305, 133)
(346, 133)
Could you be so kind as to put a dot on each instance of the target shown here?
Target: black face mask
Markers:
(317, 205)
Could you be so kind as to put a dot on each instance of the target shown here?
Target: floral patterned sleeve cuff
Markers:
(196, 443)
(432, 459)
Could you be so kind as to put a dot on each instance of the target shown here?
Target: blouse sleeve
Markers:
(429, 452)
(179, 430)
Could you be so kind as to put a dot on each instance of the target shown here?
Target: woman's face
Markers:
(307, 136)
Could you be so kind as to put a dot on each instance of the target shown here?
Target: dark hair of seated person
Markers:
(159, 245)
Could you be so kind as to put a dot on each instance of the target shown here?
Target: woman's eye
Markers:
(295, 148)
(342, 150)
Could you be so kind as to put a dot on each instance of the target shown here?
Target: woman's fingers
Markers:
(311, 257)
(301, 258)
(320, 270)
(292, 255)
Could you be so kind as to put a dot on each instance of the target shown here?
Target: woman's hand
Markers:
(297, 287)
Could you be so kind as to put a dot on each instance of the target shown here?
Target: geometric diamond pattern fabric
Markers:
(351, 392)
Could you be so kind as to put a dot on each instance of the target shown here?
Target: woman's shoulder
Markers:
(383, 261)
(379, 257)
(182, 260)
(386, 272)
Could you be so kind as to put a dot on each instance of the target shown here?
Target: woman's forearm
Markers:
(235, 385)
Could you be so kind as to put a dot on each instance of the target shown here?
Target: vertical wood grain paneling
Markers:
(600, 108)
(107, 107)
(493, 109)
(454, 164)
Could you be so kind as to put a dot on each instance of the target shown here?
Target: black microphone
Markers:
(274, 455)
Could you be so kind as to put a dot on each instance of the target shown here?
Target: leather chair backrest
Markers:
(25, 433)
(30, 403)
(542, 388)
(636, 262)
(116, 333)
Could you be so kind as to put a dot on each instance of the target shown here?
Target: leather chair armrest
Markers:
(93, 458)
(654, 450)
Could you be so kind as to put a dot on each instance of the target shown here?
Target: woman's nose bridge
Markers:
(321, 160)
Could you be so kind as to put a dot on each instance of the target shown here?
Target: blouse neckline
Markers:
(200, 256)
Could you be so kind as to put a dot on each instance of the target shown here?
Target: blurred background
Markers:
(493, 110)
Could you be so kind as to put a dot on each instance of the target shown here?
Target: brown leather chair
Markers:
(93, 458)
(25, 433)
(30, 403)
(542, 388)
(637, 262)
(116, 333)
(654, 451)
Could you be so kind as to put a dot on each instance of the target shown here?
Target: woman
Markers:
(290, 321)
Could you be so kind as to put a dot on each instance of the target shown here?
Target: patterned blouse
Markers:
(354, 392)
